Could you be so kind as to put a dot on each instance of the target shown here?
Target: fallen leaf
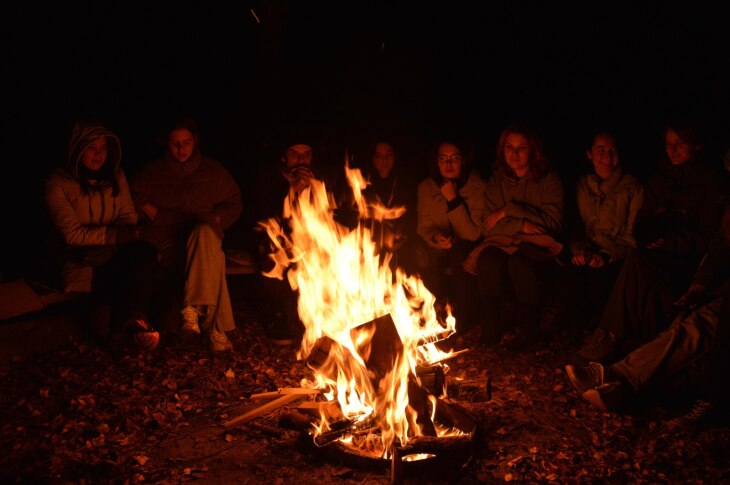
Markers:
(141, 459)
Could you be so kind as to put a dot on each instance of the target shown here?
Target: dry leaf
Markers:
(141, 459)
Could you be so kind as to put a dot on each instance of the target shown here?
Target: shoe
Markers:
(598, 347)
(607, 397)
(190, 321)
(701, 412)
(144, 336)
(585, 377)
(219, 341)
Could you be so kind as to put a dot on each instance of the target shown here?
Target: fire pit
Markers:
(383, 380)
(422, 456)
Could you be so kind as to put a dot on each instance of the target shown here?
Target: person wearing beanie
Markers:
(186, 201)
(279, 186)
(89, 203)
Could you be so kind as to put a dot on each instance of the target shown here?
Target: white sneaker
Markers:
(219, 341)
(190, 320)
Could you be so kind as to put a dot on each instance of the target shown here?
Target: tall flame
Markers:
(344, 283)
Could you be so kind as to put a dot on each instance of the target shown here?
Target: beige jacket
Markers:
(464, 222)
(83, 219)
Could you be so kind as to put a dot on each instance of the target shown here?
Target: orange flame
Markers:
(342, 284)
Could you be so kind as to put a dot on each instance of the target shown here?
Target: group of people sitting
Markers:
(130, 244)
(639, 266)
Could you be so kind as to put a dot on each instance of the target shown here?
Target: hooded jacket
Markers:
(83, 217)
(198, 190)
(524, 199)
(608, 209)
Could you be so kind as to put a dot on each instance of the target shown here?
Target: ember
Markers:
(386, 374)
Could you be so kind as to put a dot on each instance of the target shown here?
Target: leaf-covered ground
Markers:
(81, 415)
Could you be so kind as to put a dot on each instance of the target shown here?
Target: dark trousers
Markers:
(503, 276)
(123, 286)
(442, 272)
(713, 382)
(583, 293)
(641, 301)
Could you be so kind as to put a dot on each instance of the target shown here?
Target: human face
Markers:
(450, 161)
(383, 159)
(94, 155)
(181, 144)
(678, 150)
(298, 155)
(517, 153)
(604, 155)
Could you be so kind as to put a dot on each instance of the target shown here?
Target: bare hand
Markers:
(495, 217)
(299, 177)
(529, 227)
(581, 258)
(448, 189)
(150, 210)
(442, 241)
(657, 244)
(596, 261)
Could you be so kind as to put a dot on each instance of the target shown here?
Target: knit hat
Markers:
(300, 135)
(85, 132)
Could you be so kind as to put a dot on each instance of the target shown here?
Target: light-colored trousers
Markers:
(205, 279)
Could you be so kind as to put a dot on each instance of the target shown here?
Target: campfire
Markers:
(370, 334)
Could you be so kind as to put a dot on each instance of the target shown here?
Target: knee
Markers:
(204, 233)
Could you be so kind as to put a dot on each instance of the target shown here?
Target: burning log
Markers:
(380, 352)
(343, 428)
(473, 389)
(328, 409)
(433, 378)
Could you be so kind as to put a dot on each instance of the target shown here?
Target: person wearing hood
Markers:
(524, 216)
(450, 210)
(90, 206)
(186, 201)
(683, 206)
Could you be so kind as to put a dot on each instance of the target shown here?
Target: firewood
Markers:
(283, 391)
(343, 428)
(383, 350)
(476, 390)
(432, 378)
(296, 420)
(328, 409)
(263, 409)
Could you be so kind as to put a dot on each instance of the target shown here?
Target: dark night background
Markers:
(349, 69)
